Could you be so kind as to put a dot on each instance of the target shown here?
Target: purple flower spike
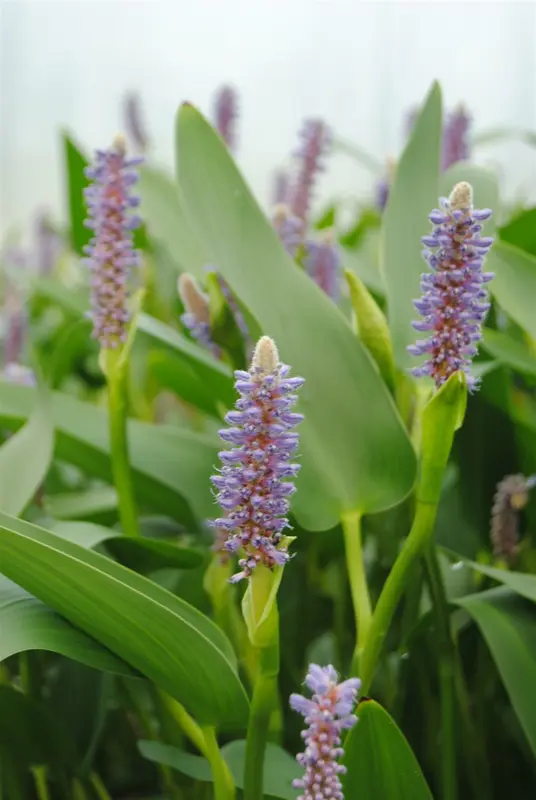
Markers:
(252, 487)
(327, 714)
(316, 138)
(288, 228)
(197, 313)
(455, 137)
(511, 497)
(323, 262)
(225, 115)
(454, 302)
(111, 252)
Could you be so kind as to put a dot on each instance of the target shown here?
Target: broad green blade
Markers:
(162, 636)
(379, 760)
(164, 211)
(280, 769)
(508, 624)
(509, 351)
(25, 459)
(27, 624)
(355, 453)
(170, 466)
(514, 284)
(413, 195)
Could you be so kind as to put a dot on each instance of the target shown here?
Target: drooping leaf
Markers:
(355, 452)
(280, 769)
(412, 196)
(508, 624)
(509, 351)
(160, 635)
(25, 459)
(170, 465)
(379, 760)
(519, 582)
(27, 624)
(514, 284)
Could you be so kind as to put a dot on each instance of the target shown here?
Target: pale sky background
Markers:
(359, 65)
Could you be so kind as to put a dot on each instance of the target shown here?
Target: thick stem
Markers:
(420, 534)
(117, 400)
(351, 525)
(259, 721)
(447, 661)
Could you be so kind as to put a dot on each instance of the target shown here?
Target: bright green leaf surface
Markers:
(379, 760)
(355, 452)
(75, 182)
(412, 197)
(162, 636)
(509, 351)
(514, 284)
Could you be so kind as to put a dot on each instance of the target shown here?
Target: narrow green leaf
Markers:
(508, 624)
(27, 624)
(379, 760)
(170, 466)
(280, 769)
(162, 636)
(76, 182)
(91, 505)
(514, 284)
(25, 459)
(509, 351)
(503, 134)
(356, 453)
(363, 158)
(520, 582)
(412, 197)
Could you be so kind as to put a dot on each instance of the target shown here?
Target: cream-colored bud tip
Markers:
(194, 300)
(265, 357)
(280, 212)
(120, 143)
(461, 197)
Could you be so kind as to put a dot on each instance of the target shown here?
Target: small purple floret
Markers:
(323, 263)
(456, 137)
(225, 115)
(252, 488)
(288, 228)
(327, 714)
(454, 302)
(315, 139)
(111, 252)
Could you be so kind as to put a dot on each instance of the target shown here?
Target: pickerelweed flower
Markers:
(288, 228)
(111, 252)
(323, 263)
(315, 139)
(134, 123)
(511, 496)
(455, 137)
(197, 312)
(327, 714)
(225, 115)
(281, 187)
(454, 302)
(252, 485)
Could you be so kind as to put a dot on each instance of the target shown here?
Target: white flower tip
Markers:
(280, 213)
(265, 357)
(461, 197)
(120, 143)
(194, 300)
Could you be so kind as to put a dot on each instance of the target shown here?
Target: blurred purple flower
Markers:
(196, 317)
(383, 186)
(315, 139)
(327, 714)
(288, 228)
(225, 115)
(281, 187)
(511, 496)
(455, 137)
(48, 245)
(235, 308)
(134, 122)
(323, 263)
(111, 251)
(252, 487)
(454, 302)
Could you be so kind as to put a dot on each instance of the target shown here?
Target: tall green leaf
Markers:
(514, 284)
(162, 636)
(170, 466)
(355, 452)
(27, 624)
(508, 624)
(379, 760)
(75, 183)
(413, 195)
(25, 459)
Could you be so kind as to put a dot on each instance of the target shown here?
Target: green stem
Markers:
(447, 659)
(395, 584)
(473, 746)
(100, 789)
(351, 525)
(259, 721)
(117, 397)
(40, 780)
